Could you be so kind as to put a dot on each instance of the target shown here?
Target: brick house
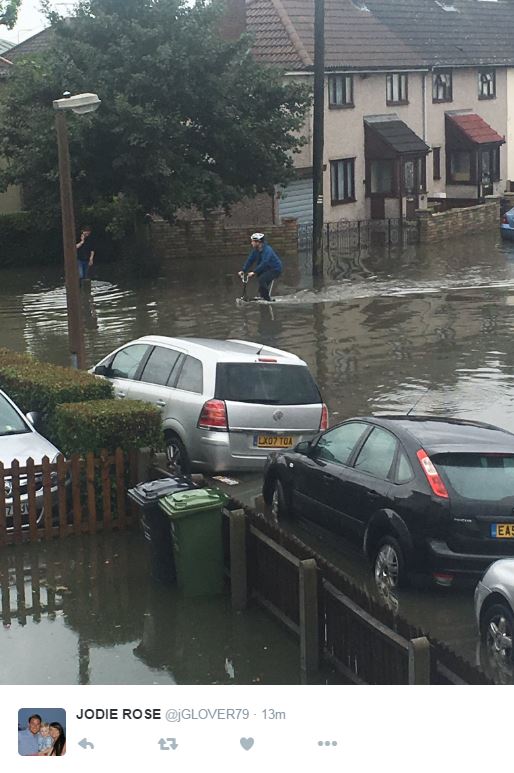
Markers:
(418, 100)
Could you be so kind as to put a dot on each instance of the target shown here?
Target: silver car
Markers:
(19, 440)
(494, 610)
(225, 404)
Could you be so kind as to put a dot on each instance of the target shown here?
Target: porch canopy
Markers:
(470, 130)
(472, 152)
(386, 136)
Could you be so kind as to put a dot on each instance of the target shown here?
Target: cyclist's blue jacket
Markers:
(267, 260)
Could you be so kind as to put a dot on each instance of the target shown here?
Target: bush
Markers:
(23, 241)
(99, 424)
(41, 386)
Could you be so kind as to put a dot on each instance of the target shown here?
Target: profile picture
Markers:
(41, 732)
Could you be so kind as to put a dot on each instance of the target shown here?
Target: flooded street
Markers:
(428, 329)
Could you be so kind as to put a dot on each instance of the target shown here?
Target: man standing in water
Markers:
(85, 252)
(268, 265)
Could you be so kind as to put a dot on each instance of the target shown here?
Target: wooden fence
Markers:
(336, 622)
(82, 494)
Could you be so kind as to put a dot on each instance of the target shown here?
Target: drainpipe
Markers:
(424, 104)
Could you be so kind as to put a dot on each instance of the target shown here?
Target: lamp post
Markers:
(80, 103)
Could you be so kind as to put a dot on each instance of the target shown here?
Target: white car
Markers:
(225, 404)
(494, 610)
(20, 440)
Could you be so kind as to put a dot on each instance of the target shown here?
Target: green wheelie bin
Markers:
(196, 521)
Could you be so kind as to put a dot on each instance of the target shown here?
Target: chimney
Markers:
(233, 21)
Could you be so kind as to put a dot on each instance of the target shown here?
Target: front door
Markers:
(411, 187)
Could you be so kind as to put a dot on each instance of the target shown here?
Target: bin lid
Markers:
(190, 502)
(149, 492)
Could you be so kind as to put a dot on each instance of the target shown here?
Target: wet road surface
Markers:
(429, 327)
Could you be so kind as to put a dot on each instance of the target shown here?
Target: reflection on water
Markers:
(84, 611)
(430, 326)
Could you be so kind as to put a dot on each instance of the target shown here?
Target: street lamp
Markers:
(80, 103)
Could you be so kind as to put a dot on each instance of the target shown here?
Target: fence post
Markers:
(238, 568)
(143, 464)
(309, 632)
(419, 661)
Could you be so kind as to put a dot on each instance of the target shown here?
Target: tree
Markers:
(9, 12)
(186, 119)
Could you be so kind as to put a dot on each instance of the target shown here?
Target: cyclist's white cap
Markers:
(257, 237)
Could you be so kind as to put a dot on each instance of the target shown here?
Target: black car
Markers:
(420, 494)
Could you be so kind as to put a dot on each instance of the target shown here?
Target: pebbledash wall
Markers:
(199, 238)
(439, 226)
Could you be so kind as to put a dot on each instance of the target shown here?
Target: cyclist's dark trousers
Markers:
(265, 280)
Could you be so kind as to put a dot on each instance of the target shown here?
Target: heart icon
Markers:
(246, 743)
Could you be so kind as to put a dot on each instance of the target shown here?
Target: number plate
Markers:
(273, 441)
(502, 530)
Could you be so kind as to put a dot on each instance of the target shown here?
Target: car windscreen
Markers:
(487, 477)
(11, 423)
(265, 383)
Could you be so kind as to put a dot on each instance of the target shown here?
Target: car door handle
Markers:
(160, 403)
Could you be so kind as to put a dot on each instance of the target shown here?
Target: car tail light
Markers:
(213, 415)
(266, 359)
(323, 425)
(433, 477)
(505, 220)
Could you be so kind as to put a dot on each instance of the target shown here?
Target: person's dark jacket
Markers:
(267, 260)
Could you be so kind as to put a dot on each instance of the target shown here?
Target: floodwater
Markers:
(422, 328)
(85, 611)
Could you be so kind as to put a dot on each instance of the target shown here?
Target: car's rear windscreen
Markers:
(487, 477)
(266, 383)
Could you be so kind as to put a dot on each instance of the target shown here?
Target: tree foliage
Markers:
(9, 12)
(186, 119)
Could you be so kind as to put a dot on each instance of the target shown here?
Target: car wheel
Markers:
(176, 454)
(389, 564)
(280, 508)
(497, 632)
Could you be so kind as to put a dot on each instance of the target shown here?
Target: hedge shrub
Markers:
(98, 424)
(25, 242)
(41, 386)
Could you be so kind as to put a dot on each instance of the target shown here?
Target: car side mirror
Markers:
(33, 417)
(304, 447)
(102, 370)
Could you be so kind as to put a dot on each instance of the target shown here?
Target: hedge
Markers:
(25, 242)
(99, 424)
(41, 386)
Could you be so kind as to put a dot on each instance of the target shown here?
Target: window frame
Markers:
(179, 369)
(142, 362)
(366, 430)
(348, 101)
(171, 375)
(447, 88)
(450, 153)
(392, 466)
(483, 73)
(403, 88)
(333, 181)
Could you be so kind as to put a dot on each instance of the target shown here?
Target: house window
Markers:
(340, 91)
(342, 180)
(487, 84)
(381, 177)
(396, 88)
(460, 167)
(442, 86)
(436, 163)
